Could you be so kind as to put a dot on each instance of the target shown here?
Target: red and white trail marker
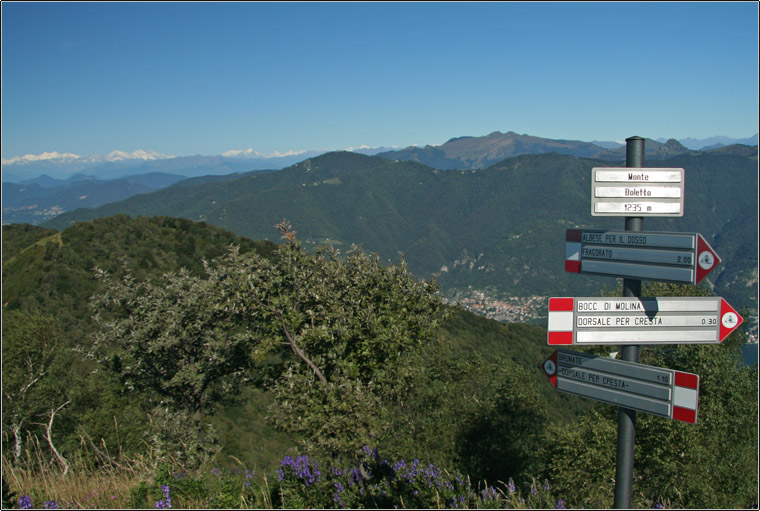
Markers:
(597, 321)
(663, 392)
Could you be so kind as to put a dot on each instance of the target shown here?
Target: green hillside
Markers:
(51, 274)
(471, 398)
(501, 228)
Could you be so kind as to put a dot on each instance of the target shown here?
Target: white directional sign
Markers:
(692, 320)
(663, 392)
(662, 256)
(634, 191)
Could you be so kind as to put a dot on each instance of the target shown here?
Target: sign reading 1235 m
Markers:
(634, 191)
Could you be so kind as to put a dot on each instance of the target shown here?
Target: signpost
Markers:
(637, 192)
(634, 192)
(663, 392)
(663, 256)
(633, 320)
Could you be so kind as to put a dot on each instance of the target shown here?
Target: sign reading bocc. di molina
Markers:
(597, 321)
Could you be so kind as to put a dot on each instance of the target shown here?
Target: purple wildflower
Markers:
(25, 502)
(560, 504)
(489, 493)
(166, 502)
(658, 505)
(215, 471)
(51, 504)
(511, 486)
(547, 486)
(302, 468)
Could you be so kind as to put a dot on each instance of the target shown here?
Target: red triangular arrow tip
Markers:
(729, 319)
(549, 367)
(707, 259)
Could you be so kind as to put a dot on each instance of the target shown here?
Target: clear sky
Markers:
(205, 78)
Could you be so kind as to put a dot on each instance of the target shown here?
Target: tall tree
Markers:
(177, 339)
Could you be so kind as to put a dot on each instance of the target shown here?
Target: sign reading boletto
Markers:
(664, 392)
(661, 256)
(597, 321)
(634, 191)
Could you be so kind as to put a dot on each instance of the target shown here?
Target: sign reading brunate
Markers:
(663, 392)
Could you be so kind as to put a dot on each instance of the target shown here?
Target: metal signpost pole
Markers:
(634, 157)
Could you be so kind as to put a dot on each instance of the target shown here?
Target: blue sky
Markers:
(205, 78)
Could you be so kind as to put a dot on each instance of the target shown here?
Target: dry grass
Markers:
(94, 479)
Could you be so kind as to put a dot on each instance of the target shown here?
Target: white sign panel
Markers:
(597, 321)
(637, 191)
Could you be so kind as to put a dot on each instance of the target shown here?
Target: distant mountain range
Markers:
(461, 153)
(120, 175)
(705, 144)
(499, 229)
(481, 152)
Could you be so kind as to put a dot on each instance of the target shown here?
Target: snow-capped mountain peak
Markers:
(134, 155)
(46, 156)
(56, 157)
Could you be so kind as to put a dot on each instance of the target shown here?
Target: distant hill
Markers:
(705, 144)
(481, 152)
(190, 166)
(36, 200)
(501, 228)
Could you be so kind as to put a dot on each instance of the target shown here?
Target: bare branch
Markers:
(49, 436)
(298, 350)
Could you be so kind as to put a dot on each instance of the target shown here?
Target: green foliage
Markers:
(205, 488)
(350, 322)
(50, 274)
(35, 361)
(17, 237)
(176, 338)
(504, 439)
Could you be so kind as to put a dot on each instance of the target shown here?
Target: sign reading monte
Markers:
(649, 389)
(634, 191)
(597, 321)
(662, 256)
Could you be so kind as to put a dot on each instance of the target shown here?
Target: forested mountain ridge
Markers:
(501, 228)
(467, 153)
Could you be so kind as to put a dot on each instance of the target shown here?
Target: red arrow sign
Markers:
(707, 259)
(729, 319)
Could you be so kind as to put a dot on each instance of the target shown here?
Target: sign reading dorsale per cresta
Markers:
(663, 392)
(604, 321)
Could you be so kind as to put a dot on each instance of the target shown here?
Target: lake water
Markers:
(750, 353)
